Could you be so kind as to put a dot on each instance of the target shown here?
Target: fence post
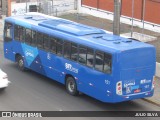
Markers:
(56, 12)
(116, 20)
(78, 16)
(75, 4)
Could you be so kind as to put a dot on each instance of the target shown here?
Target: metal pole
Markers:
(7, 2)
(26, 6)
(116, 21)
(52, 8)
(75, 4)
(132, 17)
(144, 5)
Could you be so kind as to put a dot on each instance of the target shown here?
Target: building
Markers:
(3, 7)
(147, 10)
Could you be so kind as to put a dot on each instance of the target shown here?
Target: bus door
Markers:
(8, 37)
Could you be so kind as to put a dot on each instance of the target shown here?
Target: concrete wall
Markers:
(151, 6)
(4, 7)
(58, 6)
(93, 10)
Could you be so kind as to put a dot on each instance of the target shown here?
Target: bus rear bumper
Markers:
(122, 98)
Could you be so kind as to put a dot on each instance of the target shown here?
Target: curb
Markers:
(151, 101)
(157, 69)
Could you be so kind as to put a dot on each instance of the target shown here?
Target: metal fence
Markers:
(56, 7)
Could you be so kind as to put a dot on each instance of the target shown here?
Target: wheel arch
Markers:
(76, 91)
(16, 56)
(68, 75)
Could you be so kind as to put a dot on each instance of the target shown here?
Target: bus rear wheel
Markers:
(71, 86)
(20, 63)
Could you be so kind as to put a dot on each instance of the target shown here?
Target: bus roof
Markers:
(79, 33)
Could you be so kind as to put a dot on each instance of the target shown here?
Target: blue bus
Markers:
(85, 59)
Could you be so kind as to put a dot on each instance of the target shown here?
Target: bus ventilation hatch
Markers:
(35, 18)
(107, 38)
(70, 27)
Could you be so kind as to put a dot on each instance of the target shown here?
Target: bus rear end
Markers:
(136, 73)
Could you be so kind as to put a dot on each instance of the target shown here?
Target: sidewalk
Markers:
(156, 98)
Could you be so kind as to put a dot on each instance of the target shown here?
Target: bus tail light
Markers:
(119, 88)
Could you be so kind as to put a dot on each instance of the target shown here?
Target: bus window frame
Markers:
(40, 46)
(28, 41)
(110, 65)
(46, 47)
(34, 38)
(6, 37)
(62, 54)
(58, 47)
(53, 45)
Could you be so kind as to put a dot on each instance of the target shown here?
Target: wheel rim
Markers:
(71, 86)
(20, 63)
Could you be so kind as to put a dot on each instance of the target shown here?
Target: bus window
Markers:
(16, 32)
(46, 42)
(107, 63)
(82, 54)
(28, 38)
(40, 40)
(74, 51)
(53, 42)
(19, 33)
(8, 32)
(59, 47)
(22, 32)
(34, 37)
(99, 60)
(67, 49)
(90, 57)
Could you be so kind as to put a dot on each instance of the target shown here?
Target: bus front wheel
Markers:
(20, 63)
(71, 86)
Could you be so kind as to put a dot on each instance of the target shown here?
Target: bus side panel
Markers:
(49, 62)
(89, 81)
(8, 51)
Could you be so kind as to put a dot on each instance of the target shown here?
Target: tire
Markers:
(71, 86)
(20, 63)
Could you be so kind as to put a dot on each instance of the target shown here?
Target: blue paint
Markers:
(134, 87)
(22, 23)
(30, 53)
(132, 61)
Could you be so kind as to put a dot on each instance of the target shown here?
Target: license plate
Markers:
(137, 90)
